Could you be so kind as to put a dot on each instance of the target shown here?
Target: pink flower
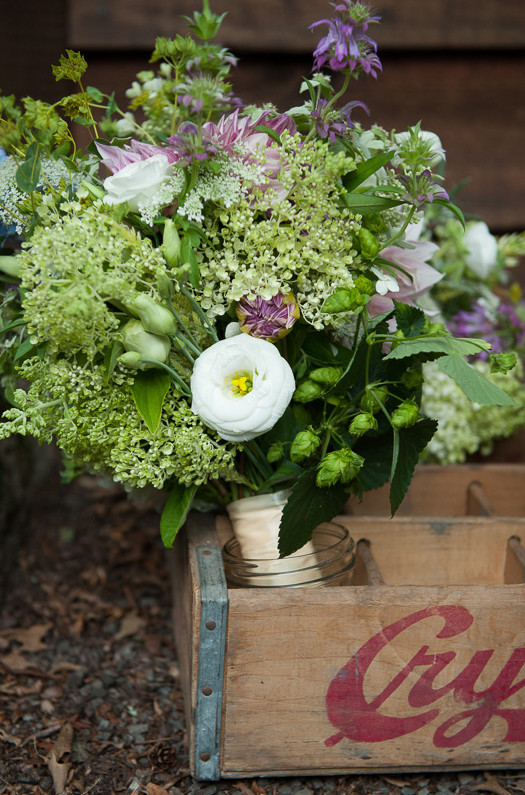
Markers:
(418, 279)
(268, 320)
(259, 146)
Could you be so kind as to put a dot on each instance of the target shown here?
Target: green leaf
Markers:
(475, 386)
(366, 169)
(306, 507)
(94, 93)
(453, 209)
(409, 319)
(23, 349)
(444, 345)
(110, 359)
(366, 203)
(28, 173)
(149, 391)
(175, 511)
(188, 257)
(273, 134)
(412, 442)
(12, 325)
(377, 452)
(285, 472)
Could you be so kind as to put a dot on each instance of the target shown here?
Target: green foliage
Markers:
(71, 67)
(307, 506)
(149, 392)
(175, 511)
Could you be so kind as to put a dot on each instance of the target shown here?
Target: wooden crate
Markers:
(417, 666)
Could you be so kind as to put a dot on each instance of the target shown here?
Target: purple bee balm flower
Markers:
(268, 320)
(347, 45)
(117, 158)
(334, 123)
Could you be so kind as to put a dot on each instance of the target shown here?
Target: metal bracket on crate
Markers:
(212, 642)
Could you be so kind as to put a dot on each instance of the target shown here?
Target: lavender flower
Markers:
(268, 320)
(333, 123)
(504, 329)
(347, 45)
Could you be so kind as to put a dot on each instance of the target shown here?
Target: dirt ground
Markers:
(89, 693)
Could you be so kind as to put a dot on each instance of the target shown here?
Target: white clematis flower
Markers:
(137, 183)
(241, 386)
(482, 248)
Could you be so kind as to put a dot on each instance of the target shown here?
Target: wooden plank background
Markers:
(457, 67)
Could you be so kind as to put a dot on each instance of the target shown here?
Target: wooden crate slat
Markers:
(283, 25)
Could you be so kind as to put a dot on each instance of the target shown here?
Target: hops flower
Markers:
(241, 386)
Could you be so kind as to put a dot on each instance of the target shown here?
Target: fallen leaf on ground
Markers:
(130, 625)
(58, 758)
(30, 637)
(154, 789)
(8, 738)
(397, 782)
(490, 786)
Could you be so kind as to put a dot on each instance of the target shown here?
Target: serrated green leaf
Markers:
(412, 442)
(444, 345)
(377, 452)
(409, 319)
(307, 506)
(175, 511)
(149, 391)
(366, 169)
(475, 386)
(366, 203)
(28, 172)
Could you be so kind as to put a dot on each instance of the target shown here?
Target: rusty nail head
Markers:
(205, 757)
(210, 624)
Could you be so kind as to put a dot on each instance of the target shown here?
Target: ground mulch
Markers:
(89, 685)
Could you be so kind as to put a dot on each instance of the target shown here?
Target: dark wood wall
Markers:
(458, 66)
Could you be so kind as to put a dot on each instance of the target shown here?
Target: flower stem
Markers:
(200, 313)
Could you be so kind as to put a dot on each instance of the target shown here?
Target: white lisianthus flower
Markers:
(241, 386)
(137, 183)
(482, 248)
(386, 283)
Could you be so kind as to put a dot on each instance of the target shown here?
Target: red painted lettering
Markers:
(361, 720)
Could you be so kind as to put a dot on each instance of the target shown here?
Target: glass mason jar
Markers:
(331, 563)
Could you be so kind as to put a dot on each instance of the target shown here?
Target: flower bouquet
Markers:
(475, 298)
(220, 301)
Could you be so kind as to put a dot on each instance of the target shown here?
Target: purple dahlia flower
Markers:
(268, 320)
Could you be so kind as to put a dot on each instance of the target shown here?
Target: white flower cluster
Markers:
(465, 427)
(53, 172)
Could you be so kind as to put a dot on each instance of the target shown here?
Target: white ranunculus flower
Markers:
(240, 387)
(482, 247)
(137, 182)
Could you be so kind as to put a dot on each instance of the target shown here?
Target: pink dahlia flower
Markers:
(268, 320)
(117, 158)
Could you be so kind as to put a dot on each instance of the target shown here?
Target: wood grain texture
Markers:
(283, 25)
(285, 650)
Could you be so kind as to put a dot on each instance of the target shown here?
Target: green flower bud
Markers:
(171, 244)
(328, 376)
(165, 286)
(364, 285)
(363, 423)
(275, 453)
(412, 378)
(155, 318)
(151, 346)
(339, 466)
(131, 359)
(405, 415)
(368, 243)
(347, 299)
(373, 394)
(304, 444)
(502, 362)
(308, 391)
